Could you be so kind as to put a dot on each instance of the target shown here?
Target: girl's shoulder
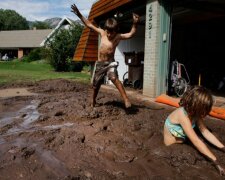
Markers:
(184, 111)
(180, 113)
(176, 115)
(181, 110)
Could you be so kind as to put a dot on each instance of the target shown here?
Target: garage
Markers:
(188, 31)
(197, 41)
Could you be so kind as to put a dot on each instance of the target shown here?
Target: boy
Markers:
(106, 64)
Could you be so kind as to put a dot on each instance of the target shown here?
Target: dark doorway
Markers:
(197, 41)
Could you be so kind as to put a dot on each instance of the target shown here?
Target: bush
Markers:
(36, 54)
(62, 47)
(25, 59)
(76, 66)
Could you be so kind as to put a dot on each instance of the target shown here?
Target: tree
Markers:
(62, 47)
(11, 20)
(40, 25)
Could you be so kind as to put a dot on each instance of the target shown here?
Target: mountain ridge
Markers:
(53, 22)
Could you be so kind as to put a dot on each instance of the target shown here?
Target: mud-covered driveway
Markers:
(55, 134)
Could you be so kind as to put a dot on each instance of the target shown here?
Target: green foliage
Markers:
(62, 47)
(36, 54)
(25, 59)
(11, 20)
(76, 66)
(40, 25)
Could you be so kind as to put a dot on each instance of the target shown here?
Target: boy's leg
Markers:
(95, 93)
(122, 91)
(96, 82)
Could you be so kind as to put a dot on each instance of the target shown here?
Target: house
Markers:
(18, 43)
(189, 31)
(65, 23)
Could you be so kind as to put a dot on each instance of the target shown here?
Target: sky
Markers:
(39, 10)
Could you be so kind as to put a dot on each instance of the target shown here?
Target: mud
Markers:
(55, 134)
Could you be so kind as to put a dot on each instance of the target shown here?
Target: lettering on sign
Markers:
(150, 21)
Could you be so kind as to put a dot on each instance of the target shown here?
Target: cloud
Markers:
(43, 9)
(27, 9)
(83, 5)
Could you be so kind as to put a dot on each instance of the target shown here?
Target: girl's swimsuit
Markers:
(176, 129)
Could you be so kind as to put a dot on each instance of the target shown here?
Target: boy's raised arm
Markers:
(133, 29)
(86, 22)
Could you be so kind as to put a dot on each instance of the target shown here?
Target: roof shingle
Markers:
(23, 38)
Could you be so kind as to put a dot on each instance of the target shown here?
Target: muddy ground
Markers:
(55, 134)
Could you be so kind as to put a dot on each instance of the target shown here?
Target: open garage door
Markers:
(198, 41)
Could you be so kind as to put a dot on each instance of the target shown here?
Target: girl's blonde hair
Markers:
(197, 101)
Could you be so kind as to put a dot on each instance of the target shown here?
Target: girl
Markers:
(194, 106)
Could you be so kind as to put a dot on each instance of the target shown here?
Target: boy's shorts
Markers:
(101, 71)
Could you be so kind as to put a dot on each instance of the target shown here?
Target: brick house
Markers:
(18, 43)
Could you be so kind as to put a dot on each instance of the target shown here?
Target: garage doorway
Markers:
(198, 42)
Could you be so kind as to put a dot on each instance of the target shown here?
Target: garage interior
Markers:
(197, 41)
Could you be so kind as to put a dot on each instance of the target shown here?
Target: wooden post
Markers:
(199, 80)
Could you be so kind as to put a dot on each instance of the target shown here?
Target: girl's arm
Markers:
(86, 22)
(208, 135)
(197, 142)
(133, 29)
(186, 125)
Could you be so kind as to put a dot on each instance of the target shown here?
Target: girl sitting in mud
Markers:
(194, 106)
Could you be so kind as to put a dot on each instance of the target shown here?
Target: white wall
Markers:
(134, 44)
(152, 41)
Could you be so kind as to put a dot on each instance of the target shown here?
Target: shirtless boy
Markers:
(110, 38)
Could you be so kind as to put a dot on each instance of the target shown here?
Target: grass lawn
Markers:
(17, 71)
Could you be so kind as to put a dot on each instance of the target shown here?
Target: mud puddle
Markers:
(23, 120)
